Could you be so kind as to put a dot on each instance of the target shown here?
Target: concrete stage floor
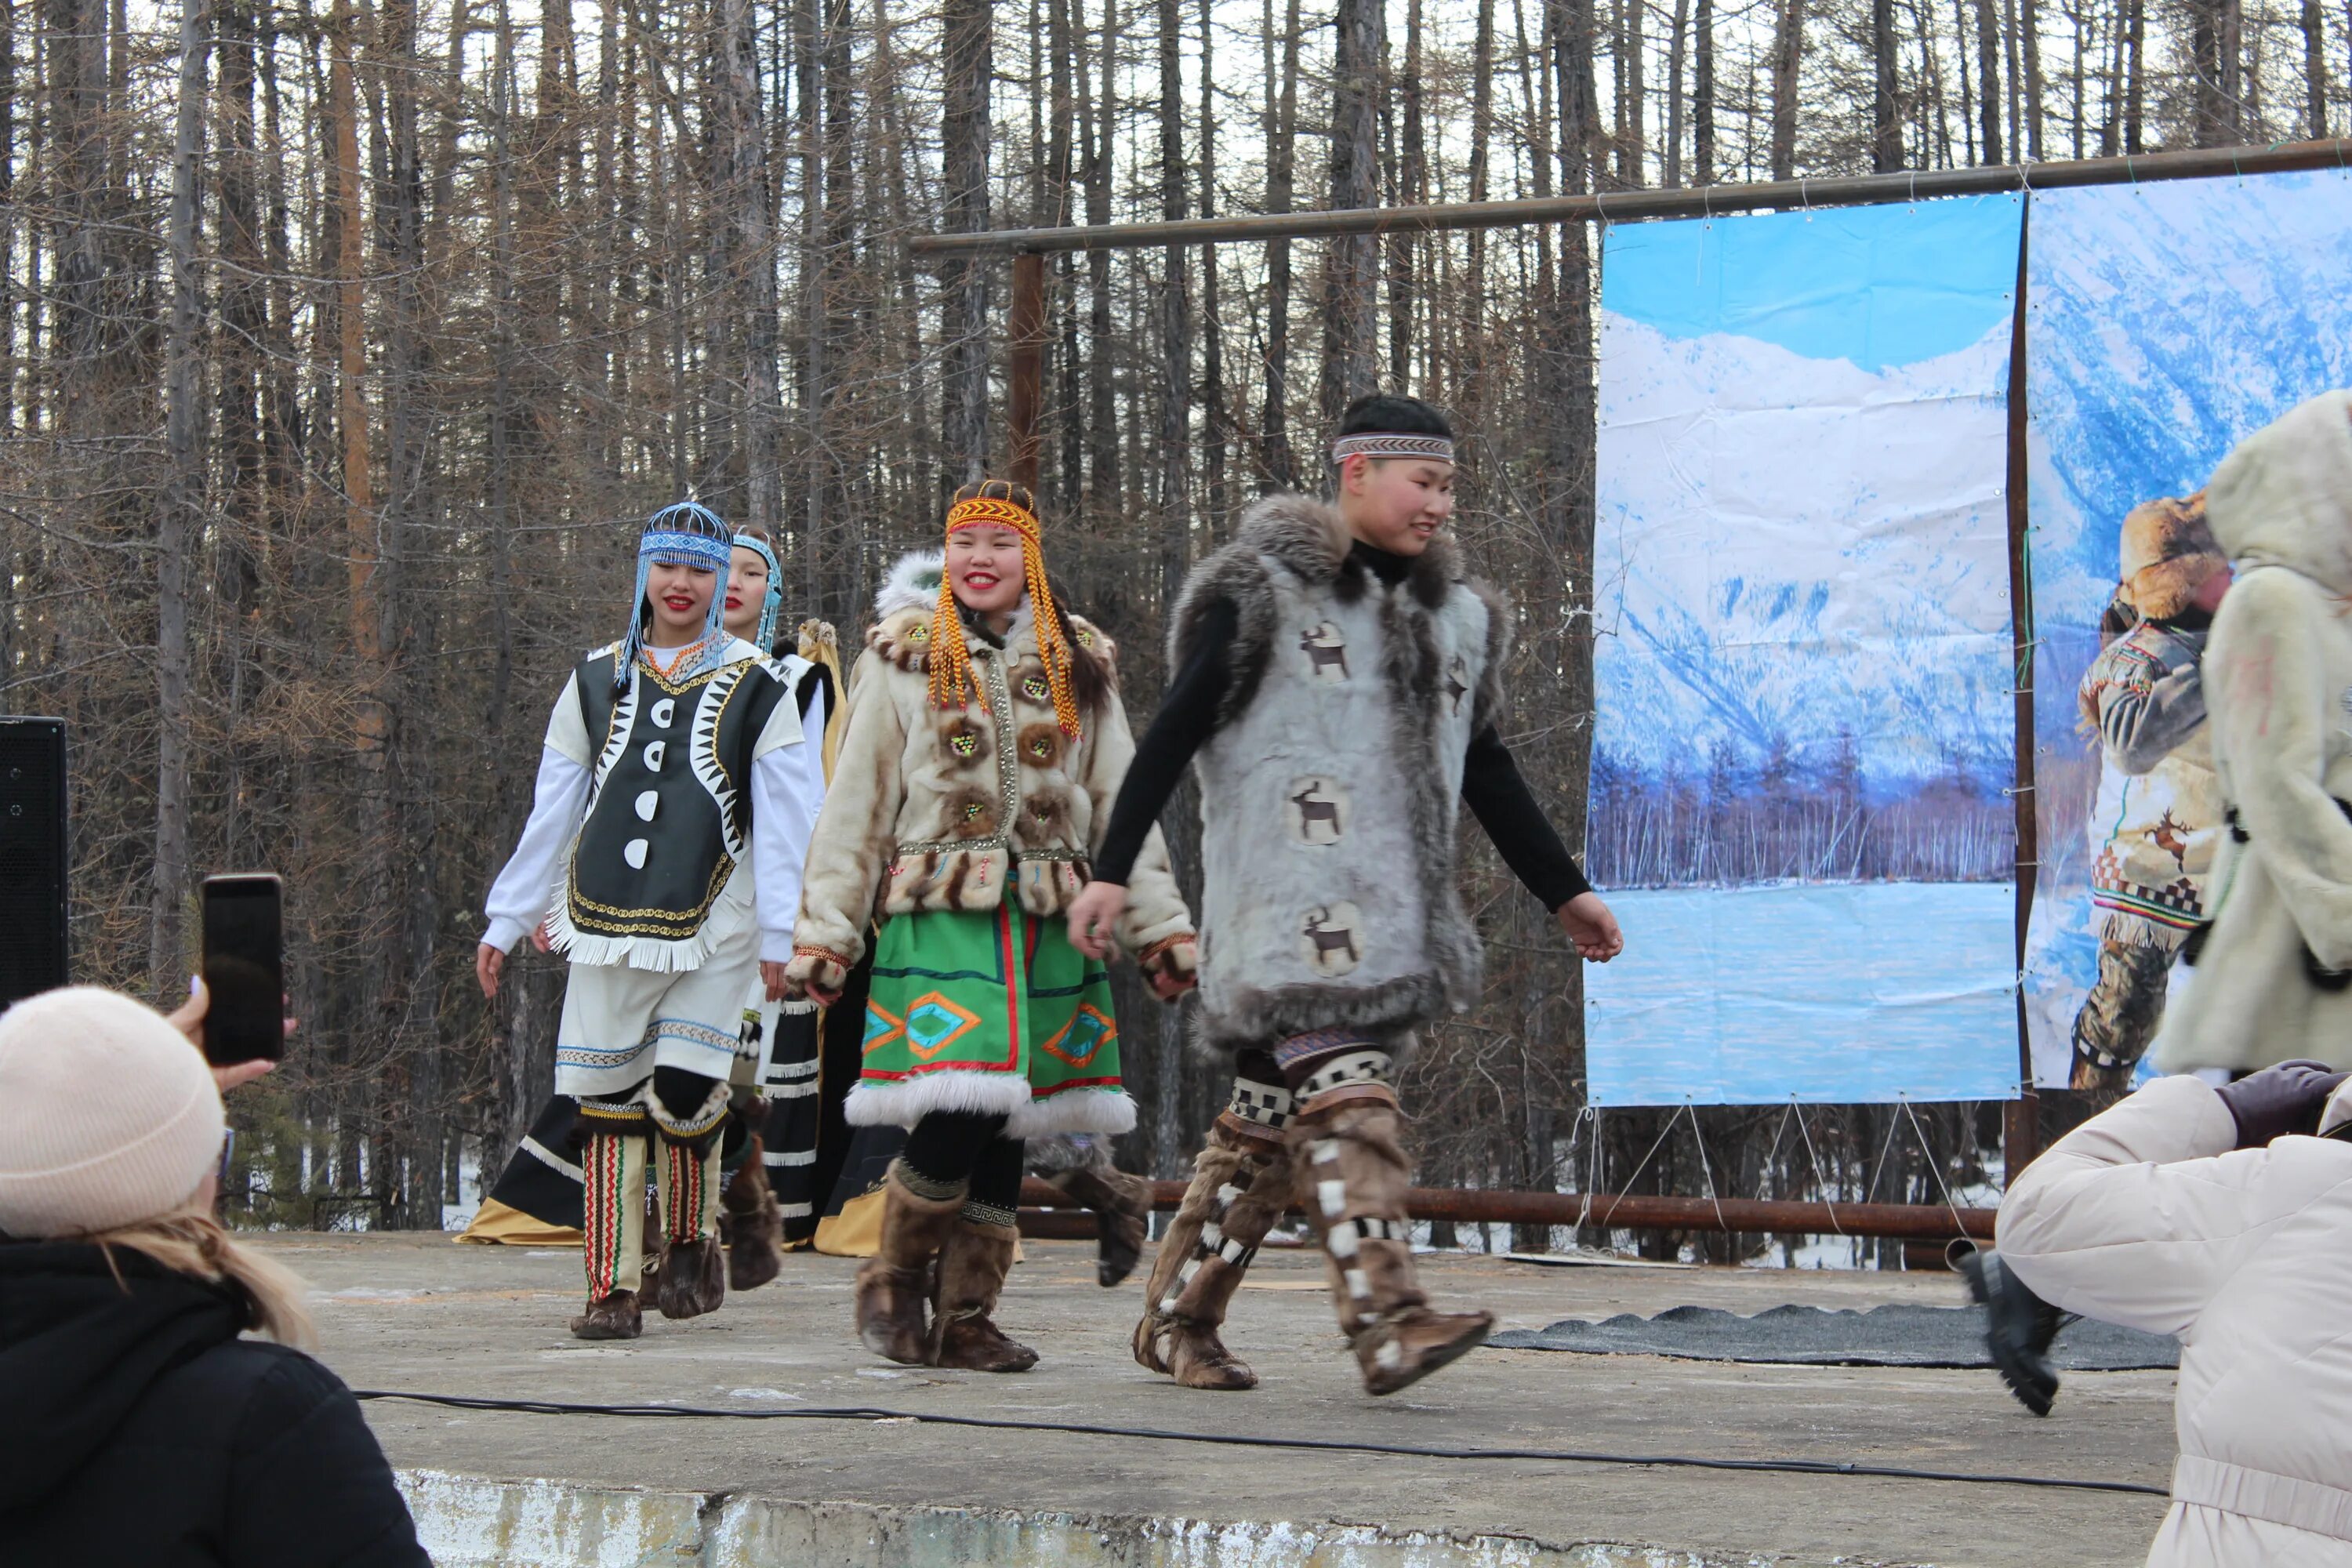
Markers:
(418, 1313)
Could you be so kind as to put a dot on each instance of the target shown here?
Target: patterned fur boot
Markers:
(692, 1280)
(754, 1223)
(1353, 1163)
(972, 1266)
(1241, 1185)
(618, 1316)
(1122, 1209)
(893, 1284)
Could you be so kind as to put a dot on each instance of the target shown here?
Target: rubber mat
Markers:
(1811, 1336)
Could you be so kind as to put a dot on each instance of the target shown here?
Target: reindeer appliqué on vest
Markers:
(1455, 687)
(2171, 839)
(1328, 939)
(1319, 811)
(1326, 650)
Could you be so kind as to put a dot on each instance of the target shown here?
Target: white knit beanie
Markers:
(106, 1114)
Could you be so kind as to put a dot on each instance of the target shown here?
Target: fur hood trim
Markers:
(2283, 498)
(1307, 539)
(912, 584)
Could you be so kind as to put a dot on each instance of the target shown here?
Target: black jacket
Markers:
(137, 1428)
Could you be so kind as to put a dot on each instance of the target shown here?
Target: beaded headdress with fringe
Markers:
(684, 533)
(766, 636)
(953, 684)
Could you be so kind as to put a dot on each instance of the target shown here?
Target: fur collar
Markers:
(1309, 540)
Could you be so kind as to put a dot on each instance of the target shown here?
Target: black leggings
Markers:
(968, 1146)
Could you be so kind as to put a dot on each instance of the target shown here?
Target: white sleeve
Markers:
(787, 790)
(519, 899)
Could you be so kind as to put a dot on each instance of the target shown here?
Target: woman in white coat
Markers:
(2203, 1213)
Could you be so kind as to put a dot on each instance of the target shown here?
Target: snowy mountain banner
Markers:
(1802, 597)
(2165, 323)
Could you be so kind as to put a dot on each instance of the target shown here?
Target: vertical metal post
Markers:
(2022, 1126)
(1026, 391)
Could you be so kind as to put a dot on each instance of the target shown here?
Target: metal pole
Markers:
(1619, 207)
(1908, 1221)
(1025, 396)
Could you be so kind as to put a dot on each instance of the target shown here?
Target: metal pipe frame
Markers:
(1626, 206)
(1904, 1221)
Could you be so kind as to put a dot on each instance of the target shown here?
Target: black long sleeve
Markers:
(1187, 718)
(1492, 786)
(1499, 796)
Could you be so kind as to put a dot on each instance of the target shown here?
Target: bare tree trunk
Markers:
(1677, 55)
(2315, 70)
(1350, 267)
(1103, 476)
(964, 133)
(1281, 171)
(1217, 418)
(1989, 79)
(1703, 163)
(2134, 73)
(1788, 60)
(182, 519)
(2029, 26)
(1886, 107)
(1412, 188)
(754, 263)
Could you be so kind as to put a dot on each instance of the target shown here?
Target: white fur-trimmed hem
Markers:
(873, 1103)
(1105, 1111)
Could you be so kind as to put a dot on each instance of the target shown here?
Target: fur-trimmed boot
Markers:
(1122, 1203)
(973, 1265)
(1240, 1186)
(894, 1284)
(618, 1316)
(1351, 1160)
(754, 1223)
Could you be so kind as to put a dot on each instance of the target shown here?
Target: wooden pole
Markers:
(1626, 206)
(1026, 392)
(2022, 1118)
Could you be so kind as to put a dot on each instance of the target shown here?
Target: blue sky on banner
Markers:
(1801, 603)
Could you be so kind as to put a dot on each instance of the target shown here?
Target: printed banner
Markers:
(2165, 322)
(1803, 661)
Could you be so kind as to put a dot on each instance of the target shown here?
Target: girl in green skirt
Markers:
(984, 744)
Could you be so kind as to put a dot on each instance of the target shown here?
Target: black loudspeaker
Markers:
(32, 856)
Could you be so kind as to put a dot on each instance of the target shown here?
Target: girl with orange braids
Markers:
(985, 742)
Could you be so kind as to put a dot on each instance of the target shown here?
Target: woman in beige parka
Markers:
(985, 742)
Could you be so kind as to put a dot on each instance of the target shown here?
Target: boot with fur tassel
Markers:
(753, 1221)
(972, 1267)
(893, 1285)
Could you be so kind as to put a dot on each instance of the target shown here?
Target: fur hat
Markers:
(108, 1115)
(2167, 553)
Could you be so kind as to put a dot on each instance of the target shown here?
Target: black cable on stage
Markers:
(1248, 1440)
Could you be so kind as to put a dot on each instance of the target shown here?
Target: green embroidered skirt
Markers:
(990, 1010)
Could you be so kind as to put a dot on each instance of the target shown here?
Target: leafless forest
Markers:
(344, 344)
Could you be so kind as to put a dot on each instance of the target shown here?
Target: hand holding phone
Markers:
(244, 968)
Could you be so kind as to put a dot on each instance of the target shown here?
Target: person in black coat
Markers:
(139, 1427)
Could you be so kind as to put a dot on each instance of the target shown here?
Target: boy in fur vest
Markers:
(2159, 807)
(1339, 685)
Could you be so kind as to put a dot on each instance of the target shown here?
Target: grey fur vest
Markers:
(1329, 791)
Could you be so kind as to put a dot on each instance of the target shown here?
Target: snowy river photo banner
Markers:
(1803, 662)
(2165, 323)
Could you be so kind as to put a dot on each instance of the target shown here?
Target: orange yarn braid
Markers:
(953, 684)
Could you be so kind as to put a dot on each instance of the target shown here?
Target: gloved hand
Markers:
(2280, 1099)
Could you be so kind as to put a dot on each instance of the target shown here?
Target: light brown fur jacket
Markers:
(938, 809)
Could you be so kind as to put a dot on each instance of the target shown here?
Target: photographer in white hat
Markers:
(143, 1428)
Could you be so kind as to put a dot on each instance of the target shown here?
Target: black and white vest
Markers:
(657, 875)
(1329, 792)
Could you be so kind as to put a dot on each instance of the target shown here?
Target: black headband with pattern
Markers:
(1391, 444)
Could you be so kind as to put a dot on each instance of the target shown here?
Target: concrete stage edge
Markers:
(417, 1313)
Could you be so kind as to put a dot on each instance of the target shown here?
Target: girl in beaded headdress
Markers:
(675, 797)
(986, 743)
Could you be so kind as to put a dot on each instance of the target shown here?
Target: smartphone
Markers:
(245, 968)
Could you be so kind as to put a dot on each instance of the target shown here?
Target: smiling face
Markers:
(747, 592)
(1396, 504)
(680, 597)
(984, 569)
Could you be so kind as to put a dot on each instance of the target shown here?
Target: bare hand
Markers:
(771, 975)
(538, 939)
(1093, 913)
(189, 1019)
(1592, 928)
(1167, 985)
(488, 962)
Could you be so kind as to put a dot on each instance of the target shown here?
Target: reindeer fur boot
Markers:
(972, 1266)
(1122, 1203)
(1352, 1162)
(754, 1223)
(618, 1316)
(893, 1284)
(1241, 1185)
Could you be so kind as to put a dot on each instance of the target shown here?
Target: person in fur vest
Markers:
(2274, 978)
(1338, 686)
(2159, 808)
(985, 742)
